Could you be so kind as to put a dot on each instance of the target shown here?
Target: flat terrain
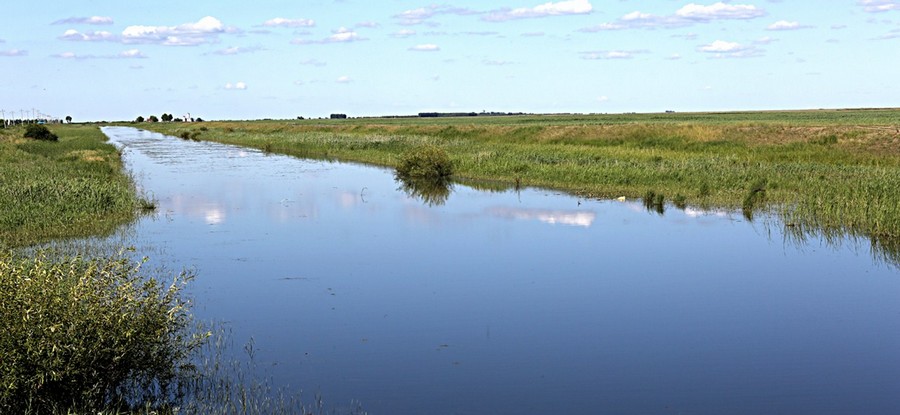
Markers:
(822, 171)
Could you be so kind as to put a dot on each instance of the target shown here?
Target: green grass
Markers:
(822, 170)
(73, 187)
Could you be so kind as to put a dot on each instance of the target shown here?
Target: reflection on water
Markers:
(508, 302)
(553, 217)
(431, 191)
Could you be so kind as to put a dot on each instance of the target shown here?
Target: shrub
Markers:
(40, 132)
(89, 334)
(426, 162)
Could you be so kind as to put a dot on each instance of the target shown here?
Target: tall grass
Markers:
(56, 189)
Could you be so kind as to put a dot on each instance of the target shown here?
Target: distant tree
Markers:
(152, 119)
(69, 119)
(167, 117)
(198, 119)
(139, 119)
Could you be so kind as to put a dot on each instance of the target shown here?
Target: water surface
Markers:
(515, 302)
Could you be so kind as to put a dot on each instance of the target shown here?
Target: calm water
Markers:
(515, 302)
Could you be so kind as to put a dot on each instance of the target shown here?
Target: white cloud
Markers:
(603, 98)
(496, 62)
(428, 47)
(879, 6)
(95, 36)
(719, 11)
(205, 30)
(127, 54)
(723, 49)
(560, 8)
(344, 79)
(238, 86)
(368, 24)
(673, 57)
(786, 25)
(403, 33)
(686, 16)
(765, 40)
(237, 50)
(93, 20)
(611, 54)
(131, 54)
(282, 22)
(341, 35)
(423, 14)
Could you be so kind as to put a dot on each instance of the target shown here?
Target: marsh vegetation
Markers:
(823, 171)
(70, 187)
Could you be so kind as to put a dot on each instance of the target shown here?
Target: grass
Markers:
(821, 170)
(73, 187)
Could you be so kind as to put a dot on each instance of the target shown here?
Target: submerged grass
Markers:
(59, 189)
(835, 169)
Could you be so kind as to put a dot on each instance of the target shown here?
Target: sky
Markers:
(222, 59)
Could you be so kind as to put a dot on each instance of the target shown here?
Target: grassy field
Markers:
(824, 171)
(70, 188)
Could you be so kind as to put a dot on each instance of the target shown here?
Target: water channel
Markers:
(511, 302)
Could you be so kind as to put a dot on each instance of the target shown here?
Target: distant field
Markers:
(823, 171)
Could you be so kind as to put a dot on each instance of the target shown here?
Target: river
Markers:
(514, 301)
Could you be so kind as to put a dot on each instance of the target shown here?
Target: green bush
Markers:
(90, 335)
(428, 162)
(39, 132)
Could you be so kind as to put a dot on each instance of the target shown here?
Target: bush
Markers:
(39, 132)
(89, 334)
(426, 162)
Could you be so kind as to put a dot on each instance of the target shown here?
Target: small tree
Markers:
(69, 119)
(152, 119)
(140, 118)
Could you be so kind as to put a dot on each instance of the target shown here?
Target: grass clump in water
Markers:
(427, 162)
(90, 334)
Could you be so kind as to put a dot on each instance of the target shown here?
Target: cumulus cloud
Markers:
(344, 79)
(94, 36)
(723, 49)
(879, 6)
(560, 8)
(93, 20)
(282, 22)
(428, 47)
(368, 24)
(237, 86)
(611, 54)
(786, 25)
(205, 30)
(13, 52)
(423, 14)
(688, 15)
(341, 35)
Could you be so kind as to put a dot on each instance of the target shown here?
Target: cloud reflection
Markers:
(583, 218)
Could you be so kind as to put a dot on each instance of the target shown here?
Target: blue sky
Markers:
(115, 60)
